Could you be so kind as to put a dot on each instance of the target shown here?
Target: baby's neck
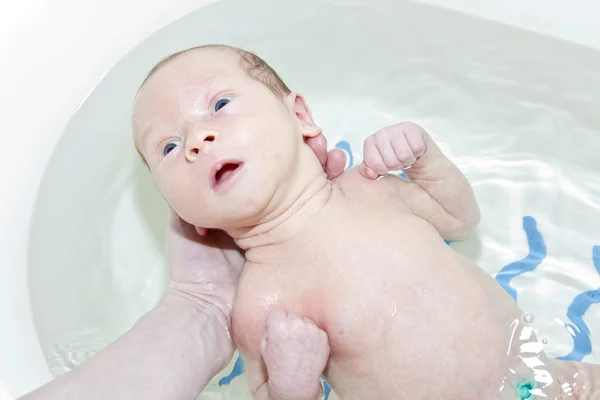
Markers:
(291, 219)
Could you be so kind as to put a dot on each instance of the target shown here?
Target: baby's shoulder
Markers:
(352, 182)
(352, 179)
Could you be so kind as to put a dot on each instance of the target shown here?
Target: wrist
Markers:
(313, 391)
(208, 322)
(214, 297)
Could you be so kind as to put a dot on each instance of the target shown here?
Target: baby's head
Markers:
(222, 135)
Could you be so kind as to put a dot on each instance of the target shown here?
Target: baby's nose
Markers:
(196, 141)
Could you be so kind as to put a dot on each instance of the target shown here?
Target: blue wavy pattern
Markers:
(327, 388)
(537, 253)
(238, 369)
(579, 331)
(342, 144)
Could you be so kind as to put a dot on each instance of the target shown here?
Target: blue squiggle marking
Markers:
(537, 253)
(238, 369)
(342, 144)
(580, 332)
(326, 387)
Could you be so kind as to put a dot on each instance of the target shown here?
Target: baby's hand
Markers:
(295, 351)
(393, 148)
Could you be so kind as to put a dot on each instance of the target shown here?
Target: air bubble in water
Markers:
(527, 318)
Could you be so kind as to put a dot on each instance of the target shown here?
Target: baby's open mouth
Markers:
(224, 172)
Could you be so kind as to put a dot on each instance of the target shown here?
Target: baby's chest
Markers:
(359, 311)
(353, 306)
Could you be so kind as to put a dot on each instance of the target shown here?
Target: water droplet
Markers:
(545, 341)
(527, 318)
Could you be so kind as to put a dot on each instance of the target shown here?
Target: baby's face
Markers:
(220, 145)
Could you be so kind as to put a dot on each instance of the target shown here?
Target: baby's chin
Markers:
(249, 202)
(231, 218)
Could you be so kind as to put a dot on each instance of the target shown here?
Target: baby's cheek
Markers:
(174, 193)
(166, 189)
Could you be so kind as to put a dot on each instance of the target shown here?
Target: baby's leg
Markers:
(578, 381)
(533, 375)
(295, 352)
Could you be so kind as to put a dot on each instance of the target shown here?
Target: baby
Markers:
(373, 297)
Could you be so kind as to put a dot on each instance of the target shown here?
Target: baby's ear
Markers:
(302, 112)
(201, 231)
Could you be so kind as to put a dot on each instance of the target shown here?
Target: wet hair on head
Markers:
(254, 66)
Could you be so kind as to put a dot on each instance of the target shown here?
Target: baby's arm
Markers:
(293, 354)
(437, 191)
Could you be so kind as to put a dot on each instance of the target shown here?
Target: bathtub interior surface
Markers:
(515, 111)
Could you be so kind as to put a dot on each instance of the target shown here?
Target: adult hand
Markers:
(333, 162)
(205, 272)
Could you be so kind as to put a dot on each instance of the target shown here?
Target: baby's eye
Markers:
(221, 103)
(170, 146)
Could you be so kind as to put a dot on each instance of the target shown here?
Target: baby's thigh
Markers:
(531, 374)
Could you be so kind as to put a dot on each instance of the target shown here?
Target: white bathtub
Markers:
(55, 53)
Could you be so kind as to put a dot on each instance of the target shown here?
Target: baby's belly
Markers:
(431, 332)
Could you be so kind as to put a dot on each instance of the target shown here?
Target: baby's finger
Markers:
(336, 162)
(372, 156)
(403, 151)
(416, 140)
(384, 145)
(367, 172)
